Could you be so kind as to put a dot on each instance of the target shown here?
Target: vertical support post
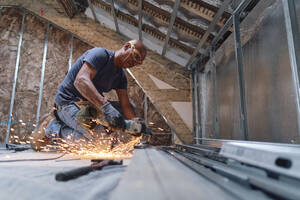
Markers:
(140, 8)
(194, 107)
(215, 94)
(146, 109)
(71, 53)
(172, 20)
(172, 136)
(0, 11)
(93, 11)
(114, 15)
(42, 75)
(15, 79)
(240, 68)
(197, 105)
(200, 127)
(292, 31)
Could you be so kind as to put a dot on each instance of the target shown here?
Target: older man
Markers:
(98, 70)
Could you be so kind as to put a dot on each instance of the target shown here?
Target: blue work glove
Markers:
(113, 116)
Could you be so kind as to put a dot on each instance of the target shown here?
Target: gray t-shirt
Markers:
(108, 77)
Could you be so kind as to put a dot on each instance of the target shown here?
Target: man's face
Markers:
(133, 56)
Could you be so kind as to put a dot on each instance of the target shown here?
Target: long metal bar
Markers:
(194, 106)
(140, 8)
(227, 26)
(114, 15)
(173, 17)
(146, 109)
(233, 188)
(208, 31)
(0, 11)
(15, 79)
(241, 80)
(42, 75)
(71, 53)
(292, 31)
(93, 11)
(215, 94)
(199, 111)
(201, 84)
(220, 142)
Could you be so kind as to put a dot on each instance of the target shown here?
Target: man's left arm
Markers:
(125, 104)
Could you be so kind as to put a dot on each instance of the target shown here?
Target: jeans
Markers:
(68, 128)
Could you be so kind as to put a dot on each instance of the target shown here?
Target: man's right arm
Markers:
(83, 83)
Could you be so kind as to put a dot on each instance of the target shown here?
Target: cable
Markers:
(40, 159)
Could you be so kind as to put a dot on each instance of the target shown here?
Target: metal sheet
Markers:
(228, 94)
(207, 102)
(270, 94)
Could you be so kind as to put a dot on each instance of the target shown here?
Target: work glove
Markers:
(137, 126)
(86, 116)
(113, 116)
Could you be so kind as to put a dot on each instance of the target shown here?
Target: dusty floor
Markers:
(154, 64)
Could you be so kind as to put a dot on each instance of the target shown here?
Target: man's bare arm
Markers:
(125, 104)
(83, 83)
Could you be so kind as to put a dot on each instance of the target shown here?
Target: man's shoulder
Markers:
(100, 50)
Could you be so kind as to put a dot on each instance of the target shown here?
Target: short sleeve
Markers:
(122, 83)
(96, 57)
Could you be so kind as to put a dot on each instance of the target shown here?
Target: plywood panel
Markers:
(10, 22)
(28, 82)
(56, 66)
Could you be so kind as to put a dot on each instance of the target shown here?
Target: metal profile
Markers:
(42, 75)
(15, 78)
(227, 26)
(146, 109)
(114, 15)
(215, 94)
(140, 7)
(0, 11)
(294, 48)
(194, 106)
(93, 11)
(220, 142)
(71, 53)
(173, 17)
(241, 80)
(200, 127)
(208, 31)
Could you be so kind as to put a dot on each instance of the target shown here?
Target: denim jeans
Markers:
(68, 128)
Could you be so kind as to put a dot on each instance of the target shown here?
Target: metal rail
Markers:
(15, 79)
(240, 69)
(42, 74)
(71, 53)
(215, 94)
(293, 39)
(115, 16)
(209, 30)
(140, 7)
(173, 17)
(146, 109)
(241, 178)
(242, 6)
(93, 11)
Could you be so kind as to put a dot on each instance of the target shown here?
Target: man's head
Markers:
(131, 54)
